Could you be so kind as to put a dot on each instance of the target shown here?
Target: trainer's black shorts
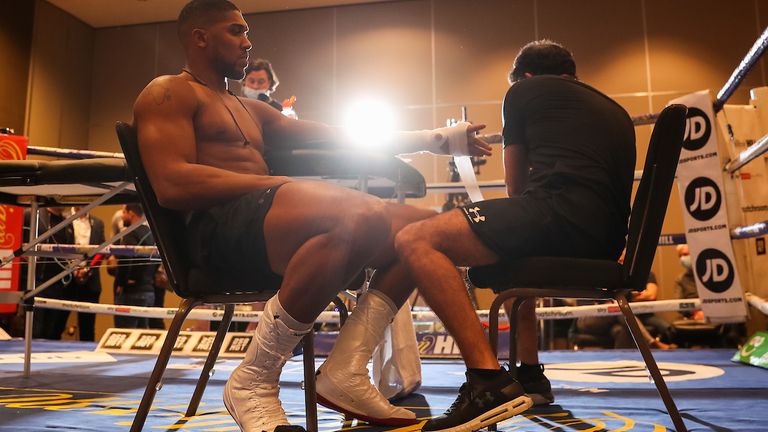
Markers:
(524, 226)
(230, 238)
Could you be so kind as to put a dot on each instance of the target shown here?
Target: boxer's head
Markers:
(542, 57)
(216, 31)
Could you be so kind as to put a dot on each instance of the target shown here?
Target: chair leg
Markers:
(310, 393)
(493, 323)
(493, 333)
(514, 312)
(342, 308)
(162, 361)
(650, 363)
(205, 374)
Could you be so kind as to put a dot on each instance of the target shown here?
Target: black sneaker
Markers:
(535, 383)
(481, 404)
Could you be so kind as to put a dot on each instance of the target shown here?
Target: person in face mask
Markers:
(685, 286)
(260, 82)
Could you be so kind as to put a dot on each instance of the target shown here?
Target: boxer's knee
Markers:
(365, 225)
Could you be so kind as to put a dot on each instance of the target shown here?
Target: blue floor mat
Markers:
(73, 388)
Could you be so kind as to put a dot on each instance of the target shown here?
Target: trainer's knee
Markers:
(409, 238)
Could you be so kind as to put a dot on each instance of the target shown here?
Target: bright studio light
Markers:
(369, 123)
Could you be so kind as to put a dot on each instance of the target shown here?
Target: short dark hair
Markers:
(201, 13)
(542, 57)
(265, 65)
(135, 208)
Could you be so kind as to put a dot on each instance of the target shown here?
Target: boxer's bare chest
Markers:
(227, 134)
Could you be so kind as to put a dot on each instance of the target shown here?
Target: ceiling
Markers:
(110, 13)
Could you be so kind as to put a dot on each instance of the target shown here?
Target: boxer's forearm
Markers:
(195, 186)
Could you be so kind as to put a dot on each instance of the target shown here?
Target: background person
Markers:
(613, 330)
(51, 323)
(86, 283)
(260, 82)
(134, 277)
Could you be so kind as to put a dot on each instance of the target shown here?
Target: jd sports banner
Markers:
(705, 216)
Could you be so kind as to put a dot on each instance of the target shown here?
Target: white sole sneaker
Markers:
(496, 415)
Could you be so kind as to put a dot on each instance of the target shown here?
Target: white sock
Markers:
(275, 308)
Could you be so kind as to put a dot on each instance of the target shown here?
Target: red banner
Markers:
(12, 147)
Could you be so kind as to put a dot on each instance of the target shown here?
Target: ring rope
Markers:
(71, 153)
(546, 313)
(116, 250)
(746, 64)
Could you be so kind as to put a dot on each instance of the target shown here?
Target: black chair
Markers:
(196, 287)
(602, 279)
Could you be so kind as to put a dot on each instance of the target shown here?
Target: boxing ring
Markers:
(76, 382)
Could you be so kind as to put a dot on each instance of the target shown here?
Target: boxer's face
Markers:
(229, 44)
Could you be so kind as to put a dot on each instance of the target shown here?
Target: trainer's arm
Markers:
(515, 169)
(163, 115)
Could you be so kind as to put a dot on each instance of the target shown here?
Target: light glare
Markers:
(369, 123)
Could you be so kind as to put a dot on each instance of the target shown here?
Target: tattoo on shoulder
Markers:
(160, 94)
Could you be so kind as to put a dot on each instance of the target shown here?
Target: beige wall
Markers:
(59, 107)
(16, 46)
(426, 57)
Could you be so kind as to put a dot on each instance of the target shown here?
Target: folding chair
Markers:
(196, 287)
(602, 279)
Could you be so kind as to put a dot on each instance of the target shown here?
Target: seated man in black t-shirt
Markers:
(612, 332)
(569, 158)
(134, 279)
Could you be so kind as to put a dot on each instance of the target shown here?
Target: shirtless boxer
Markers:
(203, 152)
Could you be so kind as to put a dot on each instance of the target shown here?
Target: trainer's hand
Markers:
(475, 145)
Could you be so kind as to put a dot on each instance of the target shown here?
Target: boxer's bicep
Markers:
(163, 116)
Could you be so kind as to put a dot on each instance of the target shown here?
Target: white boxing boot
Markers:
(251, 393)
(343, 383)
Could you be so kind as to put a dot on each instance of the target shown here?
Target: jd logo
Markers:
(697, 129)
(702, 198)
(714, 270)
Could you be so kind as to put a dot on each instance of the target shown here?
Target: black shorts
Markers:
(524, 226)
(230, 238)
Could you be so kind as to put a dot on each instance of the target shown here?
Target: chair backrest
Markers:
(168, 226)
(652, 197)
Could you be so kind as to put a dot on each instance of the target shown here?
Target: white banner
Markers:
(191, 343)
(699, 179)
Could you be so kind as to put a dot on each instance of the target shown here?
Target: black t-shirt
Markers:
(580, 146)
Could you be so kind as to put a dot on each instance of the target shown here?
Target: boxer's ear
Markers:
(200, 38)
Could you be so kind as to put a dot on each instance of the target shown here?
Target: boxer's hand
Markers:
(475, 145)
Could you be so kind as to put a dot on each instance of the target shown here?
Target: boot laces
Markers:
(465, 392)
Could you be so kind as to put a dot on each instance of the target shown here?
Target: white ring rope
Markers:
(546, 313)
(72, 153)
